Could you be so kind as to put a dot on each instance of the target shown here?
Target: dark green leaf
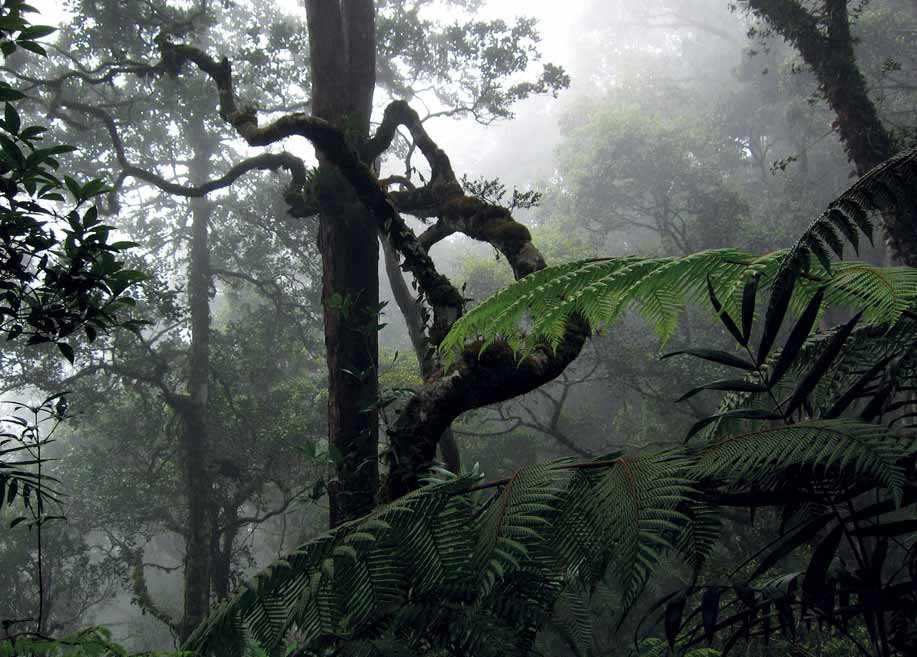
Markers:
(814, 584)
(7, 94)
(749, 297)
(723, 315)
(876, 405)
(12, 22)
(729, 385)
(715, 356)
(66, 350)
(807, 384)
(318, 489)
(710, 610)
(674, 612)
(11, 150)
(33, 47)
(855, 391)
(797, 338)
(776, 311)
(739, 414)
(36, 32)
(801, 536)
(11, 118)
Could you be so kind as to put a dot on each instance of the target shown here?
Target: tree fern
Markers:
(458, 568)
(658, 289)
(864, 450)
(463, 568)
(888, 188)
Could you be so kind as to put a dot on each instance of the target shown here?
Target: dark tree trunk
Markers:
(410, 309)
(342, 48)
(828, 50)
(221, 543)
(476, 379)
(193, 408)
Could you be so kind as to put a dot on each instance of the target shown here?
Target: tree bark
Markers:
(193, 408)
(410, 310)
(342, 49)
(221, 544)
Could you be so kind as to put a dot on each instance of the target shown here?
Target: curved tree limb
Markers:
(476, 379)
(439, 292)
(264, 161)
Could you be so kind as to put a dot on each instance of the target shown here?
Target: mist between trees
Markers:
(351, 327)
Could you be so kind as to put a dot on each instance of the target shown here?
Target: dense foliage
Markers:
(696, 427)
(59, 272)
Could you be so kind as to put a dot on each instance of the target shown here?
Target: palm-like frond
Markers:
(446, 563)
(889, 187)
(865, 450)
(658, 289)
(866, 347)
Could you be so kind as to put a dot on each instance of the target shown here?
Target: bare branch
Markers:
(265, 161)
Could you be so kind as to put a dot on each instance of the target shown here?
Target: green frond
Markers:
(520, 515)
(858, 448)
(449, 565)
(573, 619)
(649, 490)
(882, 293)
(888, 187)
(700, 534)
(532, 312)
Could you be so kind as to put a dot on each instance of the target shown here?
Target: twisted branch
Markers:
(476, 379)
(264, 161)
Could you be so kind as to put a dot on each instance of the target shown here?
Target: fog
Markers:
(281, 382)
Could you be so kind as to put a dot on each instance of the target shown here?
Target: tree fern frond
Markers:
(440, 564)
(658, 289)
(521, 515)
(640, 525)
(886, 188)
(859, 448)
(700, 534)
(573, 619)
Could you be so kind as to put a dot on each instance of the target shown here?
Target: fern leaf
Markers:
(886, 188)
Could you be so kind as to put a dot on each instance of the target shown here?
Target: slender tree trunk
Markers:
(342, 48)
(407, 304)
(221, 543)
(196, 462)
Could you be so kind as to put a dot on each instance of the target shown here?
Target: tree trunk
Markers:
(195, 462)
(221, 544)
(410, 310)
(342, 49)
